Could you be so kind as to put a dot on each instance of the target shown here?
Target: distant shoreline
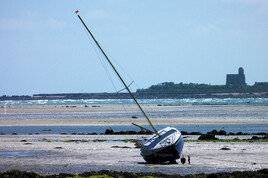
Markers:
(137, 95)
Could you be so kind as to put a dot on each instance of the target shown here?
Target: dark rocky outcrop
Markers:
(109, 132)
(207, 137)
(106, 173)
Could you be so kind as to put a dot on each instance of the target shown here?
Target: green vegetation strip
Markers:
(96, 140)
(169, 88)
(15, 173)
(134, 140)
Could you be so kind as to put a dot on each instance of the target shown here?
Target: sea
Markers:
(189, 112)
(186, 101)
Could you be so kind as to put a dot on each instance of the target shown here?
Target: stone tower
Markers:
(236, 79)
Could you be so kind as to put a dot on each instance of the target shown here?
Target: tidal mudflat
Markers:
(54, 154)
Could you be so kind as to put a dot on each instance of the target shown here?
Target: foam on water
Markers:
(187, 101)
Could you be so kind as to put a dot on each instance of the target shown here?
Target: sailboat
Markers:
(164, 145)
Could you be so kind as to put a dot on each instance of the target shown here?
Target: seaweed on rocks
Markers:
(15, 173)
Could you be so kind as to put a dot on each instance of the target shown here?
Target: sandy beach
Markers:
(45, 114)
(55, 153)
(52, 154)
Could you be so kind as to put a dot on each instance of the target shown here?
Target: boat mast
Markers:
(119, 76)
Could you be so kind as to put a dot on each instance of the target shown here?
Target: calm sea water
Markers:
(186, 113)
(188, 101)
(203, 128)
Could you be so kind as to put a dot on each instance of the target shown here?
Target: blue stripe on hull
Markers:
(179, 145)
(170, 153)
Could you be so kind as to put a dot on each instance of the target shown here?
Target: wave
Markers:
(188, 101)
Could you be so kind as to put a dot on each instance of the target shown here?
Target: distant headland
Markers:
(235, 87)
(165, 90)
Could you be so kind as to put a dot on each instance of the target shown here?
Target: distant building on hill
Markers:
(236, 79)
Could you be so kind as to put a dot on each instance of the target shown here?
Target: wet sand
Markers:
(49, 154)
(117, 108)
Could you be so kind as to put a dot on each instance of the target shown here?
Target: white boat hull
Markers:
(168, 147)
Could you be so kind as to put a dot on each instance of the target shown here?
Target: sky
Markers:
(44, 47)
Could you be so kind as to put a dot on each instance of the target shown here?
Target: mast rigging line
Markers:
(104, 65)
(118, 75)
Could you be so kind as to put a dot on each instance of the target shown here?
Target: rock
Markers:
(142, 132)
(260, 133)
(195, 133)
(255, 137)
(109, 131)
(120, 133)
(213, 132)
(225, 148)
(183, 160)
(121, 147)
(184, 133)
(94, 133)
(239, 133)
(131, 132)
(222, 132)
(207, 137)
(95, 106)
(149, 132)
